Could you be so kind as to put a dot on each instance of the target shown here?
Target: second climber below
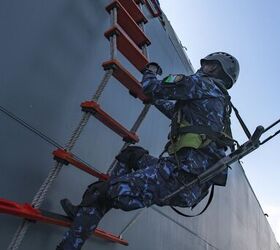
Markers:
(199, 110)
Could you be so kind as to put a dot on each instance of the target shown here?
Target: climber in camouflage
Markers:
(198, 108)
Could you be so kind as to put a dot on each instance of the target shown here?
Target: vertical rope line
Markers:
(77, 132)
(19, 235)
(115, 16)
(145, 50)
(41, 195)
(113, 44)
(141, 118)
(103, 84)
(36, 198)
(113, 38)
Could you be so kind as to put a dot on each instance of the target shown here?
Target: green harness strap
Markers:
(187, 140)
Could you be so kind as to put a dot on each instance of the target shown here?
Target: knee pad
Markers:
(95, 194)
(131, 155)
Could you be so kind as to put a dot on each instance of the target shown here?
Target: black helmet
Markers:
(228, 62)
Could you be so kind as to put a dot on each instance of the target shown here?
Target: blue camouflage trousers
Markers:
(151, 181)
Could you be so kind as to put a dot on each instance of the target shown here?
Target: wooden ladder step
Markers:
(126, 79)
(107, 120)
(128, 24)
(28, 212)
(127, 47)
(134, 11)
(68, 158)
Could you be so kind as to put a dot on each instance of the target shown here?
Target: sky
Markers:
(250, 31)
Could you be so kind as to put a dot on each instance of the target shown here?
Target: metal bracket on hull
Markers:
(96, 111)
(28, 212)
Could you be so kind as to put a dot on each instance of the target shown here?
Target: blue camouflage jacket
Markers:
(202, 102)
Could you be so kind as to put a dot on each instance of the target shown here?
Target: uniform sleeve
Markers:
(188, 88)
(165, 107)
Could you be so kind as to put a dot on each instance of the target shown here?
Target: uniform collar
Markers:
(218, 82)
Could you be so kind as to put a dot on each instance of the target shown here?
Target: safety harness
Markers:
(186, 135)
(183, 134)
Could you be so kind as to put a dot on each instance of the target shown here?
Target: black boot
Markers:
(70, 209)
(81, 228)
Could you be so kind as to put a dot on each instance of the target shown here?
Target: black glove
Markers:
(131, 155)
(153, 67)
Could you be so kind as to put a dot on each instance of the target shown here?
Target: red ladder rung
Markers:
(96, 111)
(128, 24)
(126, 79)
(134, 11)
(28, 212)
(127, 47)
(68, 158)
